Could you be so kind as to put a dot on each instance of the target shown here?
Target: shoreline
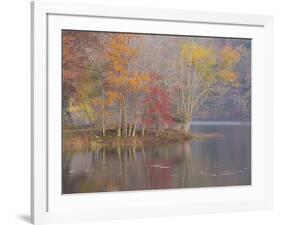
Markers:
(79, 139)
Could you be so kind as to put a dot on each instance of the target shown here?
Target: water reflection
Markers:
(220, 161)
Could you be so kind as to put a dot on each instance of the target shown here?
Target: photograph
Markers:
(144, 111)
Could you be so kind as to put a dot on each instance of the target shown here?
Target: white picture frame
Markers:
(49, 205)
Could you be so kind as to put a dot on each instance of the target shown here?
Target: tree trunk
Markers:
(103, 126)
(120, 120)
(91, 122)
(130, 129)
(134, 130)
(143, 129)
(103, 120)
(186, 127)
(92, 132)
(125, 131)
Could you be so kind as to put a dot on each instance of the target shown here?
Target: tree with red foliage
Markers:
(157, 110)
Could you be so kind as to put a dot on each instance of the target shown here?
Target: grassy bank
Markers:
(84, 139)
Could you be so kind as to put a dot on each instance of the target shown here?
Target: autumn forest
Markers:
(123, 89)
(133, 81)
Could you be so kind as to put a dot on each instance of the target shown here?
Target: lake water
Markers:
(219, 161)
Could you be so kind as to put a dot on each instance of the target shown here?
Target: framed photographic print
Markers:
(148, 112)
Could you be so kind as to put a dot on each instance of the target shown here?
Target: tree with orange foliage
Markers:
(121, 81)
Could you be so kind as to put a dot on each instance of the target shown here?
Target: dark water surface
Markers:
(220, 161)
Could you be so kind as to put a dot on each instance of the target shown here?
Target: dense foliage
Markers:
(131, 82)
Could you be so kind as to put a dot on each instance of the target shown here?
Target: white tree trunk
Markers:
(186, 127)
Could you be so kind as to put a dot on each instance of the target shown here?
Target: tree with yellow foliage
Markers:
(85, 99)
(201, 69)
